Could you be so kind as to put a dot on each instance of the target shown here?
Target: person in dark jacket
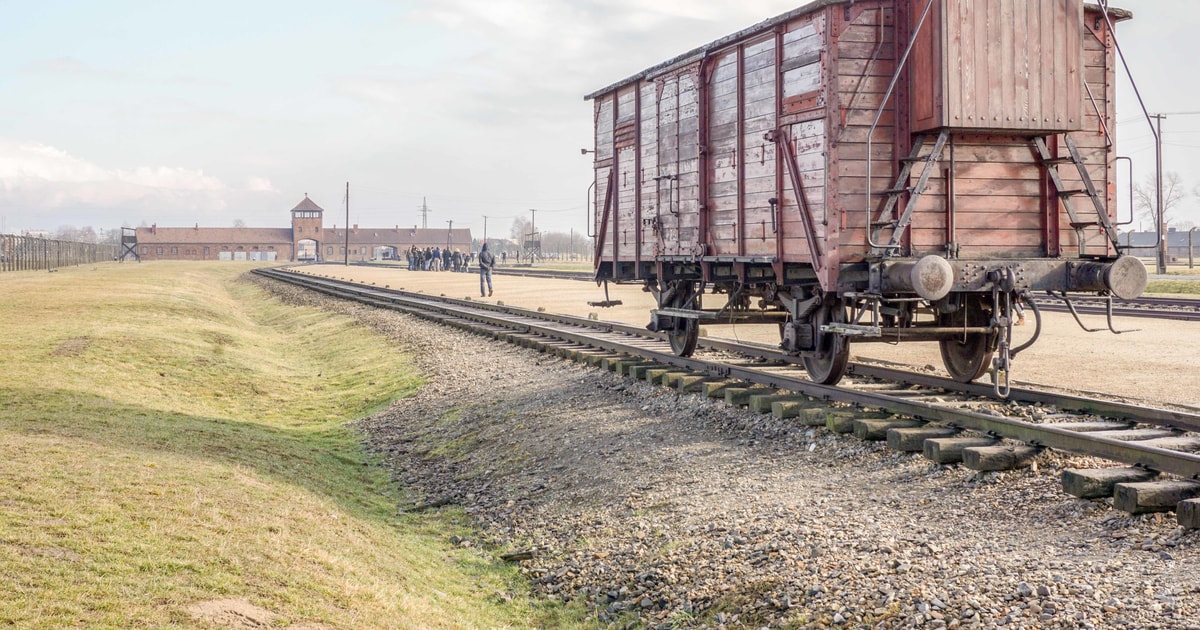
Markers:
(486, 262)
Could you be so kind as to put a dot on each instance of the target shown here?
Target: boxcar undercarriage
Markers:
(967, 306)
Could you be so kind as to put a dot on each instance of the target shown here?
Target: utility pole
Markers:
(450, 222)
(425, 210)
(1158, 175)
(347, 224)
(485, 229)
(530, 250)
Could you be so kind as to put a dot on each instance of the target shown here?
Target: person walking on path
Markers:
(486, 262)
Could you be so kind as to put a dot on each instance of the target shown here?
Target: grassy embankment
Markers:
(1168, 287)
(170, 436)
(1165, 287)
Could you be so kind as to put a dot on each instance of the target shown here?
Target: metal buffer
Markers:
(884, 220)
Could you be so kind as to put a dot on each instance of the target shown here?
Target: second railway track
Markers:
(1173, 308)
(932, 411)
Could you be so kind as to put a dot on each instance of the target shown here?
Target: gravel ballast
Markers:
(678, 511)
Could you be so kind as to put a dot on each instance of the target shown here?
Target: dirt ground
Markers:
(1157, 363)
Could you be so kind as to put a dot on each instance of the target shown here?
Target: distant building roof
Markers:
(307, 204)
(198, 235)
(1175, 238)
(401, 237)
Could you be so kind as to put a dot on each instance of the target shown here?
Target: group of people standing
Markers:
(443, 259)
(438, 259)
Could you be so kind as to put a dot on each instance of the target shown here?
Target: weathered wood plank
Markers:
(1093, 483)
(912, 439)
(876, 430)
(1187, 513)
(1153, 496)
(950, 450)
(994, 458)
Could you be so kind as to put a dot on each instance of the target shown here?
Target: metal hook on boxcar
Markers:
(1037, 323)
(607, 302)
(1108, 314)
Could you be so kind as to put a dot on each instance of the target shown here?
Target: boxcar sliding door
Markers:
(742, 162)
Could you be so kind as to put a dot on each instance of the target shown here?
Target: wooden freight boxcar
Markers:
(896, 170)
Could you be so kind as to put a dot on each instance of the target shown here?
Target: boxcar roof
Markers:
(700, 52)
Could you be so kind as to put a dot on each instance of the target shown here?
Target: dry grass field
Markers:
(174, 453)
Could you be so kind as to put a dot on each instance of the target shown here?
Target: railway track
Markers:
(946, 420)
(1183, 309)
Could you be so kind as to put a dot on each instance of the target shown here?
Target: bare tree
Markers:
(86, 234)
(1144, 200)
(567, 243)
(519, 229)
(238, 223)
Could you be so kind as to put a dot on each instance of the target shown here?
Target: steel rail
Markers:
(611, 337)
(1180, 309)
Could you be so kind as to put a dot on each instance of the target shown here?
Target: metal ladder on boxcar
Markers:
(1048, 164)
(898, 225)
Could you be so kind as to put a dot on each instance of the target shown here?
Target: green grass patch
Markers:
(173, 435)
(1172, 287)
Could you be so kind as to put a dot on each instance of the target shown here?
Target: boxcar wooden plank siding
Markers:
(648, 199)
(857, 42)
(1011, 69)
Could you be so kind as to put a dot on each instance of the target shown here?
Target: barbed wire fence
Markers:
(31, 253)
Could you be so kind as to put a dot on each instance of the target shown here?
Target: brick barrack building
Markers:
(307, 240)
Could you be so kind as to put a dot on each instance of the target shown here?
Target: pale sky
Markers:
(122, 112)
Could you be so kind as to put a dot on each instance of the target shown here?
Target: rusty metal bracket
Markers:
(784, 143)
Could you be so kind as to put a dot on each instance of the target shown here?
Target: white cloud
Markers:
(259, 184)
(170, 178)
(66, 66)
(35, 175)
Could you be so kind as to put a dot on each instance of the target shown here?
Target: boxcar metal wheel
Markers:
(827, 364)
(967, 358)
(684, 333)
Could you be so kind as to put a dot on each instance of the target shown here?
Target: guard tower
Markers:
(307, 226)
(129, 245)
